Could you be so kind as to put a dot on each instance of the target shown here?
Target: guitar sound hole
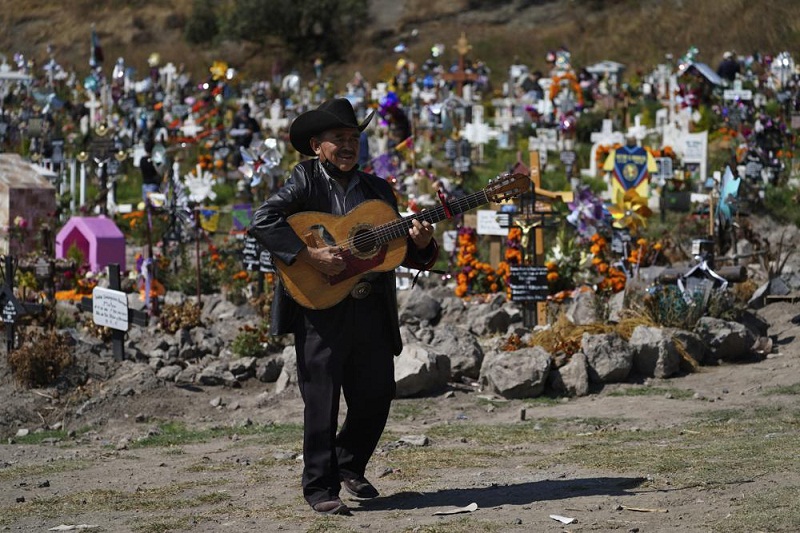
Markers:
(364, 241)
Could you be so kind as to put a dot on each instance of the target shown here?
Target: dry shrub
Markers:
(41, 359)
(565, 337)
(180, 316)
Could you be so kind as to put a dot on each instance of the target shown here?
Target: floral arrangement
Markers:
(603, 151)
(513, 256)
(474, 277)
(612, 278)
(566, 263)
(666, 151)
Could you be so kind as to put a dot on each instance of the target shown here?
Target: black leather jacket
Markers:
(307, 189)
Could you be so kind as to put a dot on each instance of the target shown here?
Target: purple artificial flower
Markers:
(586, 212)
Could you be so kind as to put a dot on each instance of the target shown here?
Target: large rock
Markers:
(609, 357)
(461, 347)
(484, 320)
(729, 341)
(453, 309)
(691, 342)
(571, 379)
(420, 308)
(582, 309)
(518, 374)
(654, 352)
(419, 370)
(288, 375)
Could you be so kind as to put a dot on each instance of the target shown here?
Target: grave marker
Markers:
(109, 308)
(10, 307)
(461, 75)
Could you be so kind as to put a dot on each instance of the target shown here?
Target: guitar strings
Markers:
(397, 228)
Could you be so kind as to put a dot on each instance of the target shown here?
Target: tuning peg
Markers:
(82, 156)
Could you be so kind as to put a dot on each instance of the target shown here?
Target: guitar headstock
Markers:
(507, 186)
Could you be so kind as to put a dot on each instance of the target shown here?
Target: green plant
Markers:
(251, 342)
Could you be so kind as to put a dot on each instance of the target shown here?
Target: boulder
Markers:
(572, 379)
(461, 347)
(728, 341)
(654, 352)
(288, 375)
(420, 370)
(420, 308)
(609, 357)
(691, 342)
(518, 374)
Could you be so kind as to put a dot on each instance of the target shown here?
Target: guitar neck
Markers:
(399, 228)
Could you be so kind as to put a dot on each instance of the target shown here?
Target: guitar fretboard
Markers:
(399, 228)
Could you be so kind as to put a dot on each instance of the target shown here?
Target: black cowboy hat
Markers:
(336, 113)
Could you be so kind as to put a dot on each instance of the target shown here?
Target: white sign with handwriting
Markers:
(110, 308)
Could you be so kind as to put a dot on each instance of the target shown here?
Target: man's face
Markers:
(338, 146)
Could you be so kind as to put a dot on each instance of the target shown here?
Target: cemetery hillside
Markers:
(609, 339)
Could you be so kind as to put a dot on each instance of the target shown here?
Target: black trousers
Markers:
(343, 349)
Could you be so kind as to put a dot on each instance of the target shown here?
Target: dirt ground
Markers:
(219, 459)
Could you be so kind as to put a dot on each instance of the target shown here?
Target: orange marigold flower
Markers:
(602, 268)
(552, 277)
(551, 265)
(658, 246)
(595, 249)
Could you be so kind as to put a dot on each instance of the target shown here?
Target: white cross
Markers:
(503, 115)
(276, 121)
(606, 136)
(92, 105)
(168, 71)
(637, 130)
(190, 128)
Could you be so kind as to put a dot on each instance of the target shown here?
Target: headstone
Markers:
(109, 308)
(528, 283)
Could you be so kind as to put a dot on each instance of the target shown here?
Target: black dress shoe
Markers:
(335, 506)
(360, 488)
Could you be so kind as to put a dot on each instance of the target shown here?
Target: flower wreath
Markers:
(572, 80)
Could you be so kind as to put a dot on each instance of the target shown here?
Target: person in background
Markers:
(728, 67)
(151, 179)
(243, 130)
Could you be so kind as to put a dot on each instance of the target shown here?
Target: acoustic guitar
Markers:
(372, 238)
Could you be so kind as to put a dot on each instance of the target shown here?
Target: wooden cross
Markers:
(461, 75)
(107, 313)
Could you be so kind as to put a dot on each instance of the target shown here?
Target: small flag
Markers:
(242, 213)
(209, 218)
(406, 144)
